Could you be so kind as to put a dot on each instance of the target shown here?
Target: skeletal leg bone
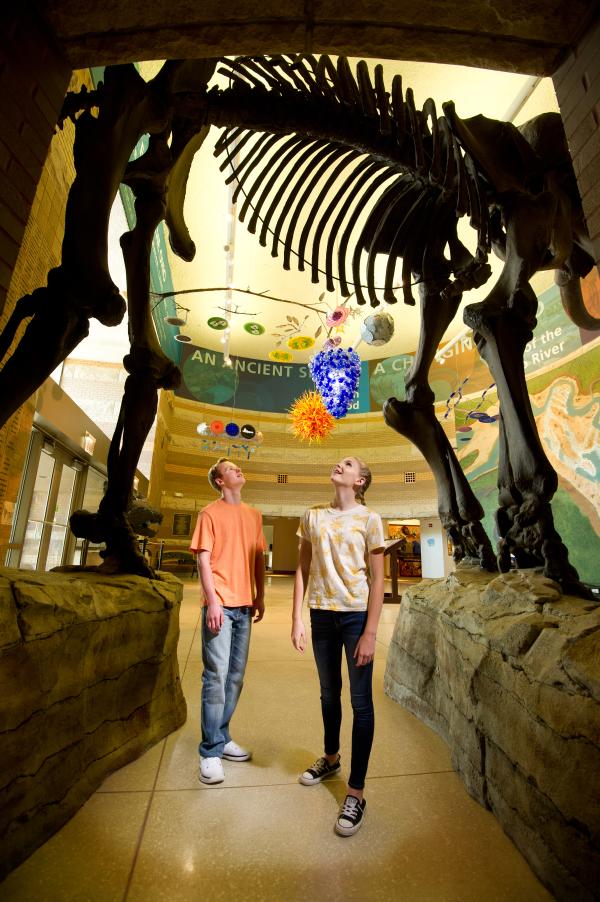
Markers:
(149, 370)
(460, 511)
(502, 325)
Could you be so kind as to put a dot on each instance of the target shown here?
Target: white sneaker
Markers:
(234, 752)
(211, 770)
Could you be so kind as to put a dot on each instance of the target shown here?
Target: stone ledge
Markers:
(90, 680)
(508, 672)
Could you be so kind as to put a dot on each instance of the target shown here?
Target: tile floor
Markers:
(152, 832)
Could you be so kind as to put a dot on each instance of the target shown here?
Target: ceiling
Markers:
(227, 255)
(512, 35)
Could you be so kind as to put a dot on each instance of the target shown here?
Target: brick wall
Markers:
(33, 80)
(40, 249)
(577, 86)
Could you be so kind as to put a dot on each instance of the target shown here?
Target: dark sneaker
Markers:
(350, 817)
(319, 771)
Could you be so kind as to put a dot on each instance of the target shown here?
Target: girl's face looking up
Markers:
(346, 473)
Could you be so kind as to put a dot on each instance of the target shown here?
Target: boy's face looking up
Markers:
(230, 476)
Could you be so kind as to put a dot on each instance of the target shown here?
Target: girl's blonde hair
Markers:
(366, 474)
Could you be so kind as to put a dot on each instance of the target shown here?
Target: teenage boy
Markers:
(229, 544)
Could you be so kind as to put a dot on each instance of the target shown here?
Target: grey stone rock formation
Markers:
(90, 679)
(507, 670)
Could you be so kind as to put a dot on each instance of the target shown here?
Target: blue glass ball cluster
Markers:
(335, 373)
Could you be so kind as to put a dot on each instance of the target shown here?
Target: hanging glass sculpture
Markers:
(332, 342)
(300, 342)
(311, 420)
(281, 356)
(335, 373)
(377, 329)
(337, 317)
(482, 416)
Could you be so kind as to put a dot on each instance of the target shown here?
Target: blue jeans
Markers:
(224, 655)
(332, 631)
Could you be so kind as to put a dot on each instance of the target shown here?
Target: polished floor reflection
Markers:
(154, 833)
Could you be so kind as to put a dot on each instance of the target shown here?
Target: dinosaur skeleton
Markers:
(340, 172)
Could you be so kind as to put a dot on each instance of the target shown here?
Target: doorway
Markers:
(268, 533)
(52, 488)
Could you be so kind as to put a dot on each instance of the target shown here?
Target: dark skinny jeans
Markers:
(332, 631)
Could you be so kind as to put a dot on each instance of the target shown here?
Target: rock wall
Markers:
(89, 679)
(508, 672)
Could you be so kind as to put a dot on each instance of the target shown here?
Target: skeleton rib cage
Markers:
(354, 166)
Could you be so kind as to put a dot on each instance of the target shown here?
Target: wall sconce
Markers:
(88, 442)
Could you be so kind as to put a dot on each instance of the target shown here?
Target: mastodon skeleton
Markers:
(336, 170)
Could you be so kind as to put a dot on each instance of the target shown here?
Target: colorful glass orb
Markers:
(203, 429)
(335, 373)
(337, 317)
(281, 356)
(217, 427)
(311, 421)
(232, 429)
(300, 342)
(377, 329)
(247, 431)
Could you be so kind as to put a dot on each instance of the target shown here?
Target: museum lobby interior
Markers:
(466, 800)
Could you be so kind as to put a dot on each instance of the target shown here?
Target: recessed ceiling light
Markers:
(182, 338)
(175, 321)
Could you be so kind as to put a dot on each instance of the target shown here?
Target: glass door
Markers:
(51, 488)
(58, 525)
(38, 512)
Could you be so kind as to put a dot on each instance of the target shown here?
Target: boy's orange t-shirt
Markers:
(233, 535)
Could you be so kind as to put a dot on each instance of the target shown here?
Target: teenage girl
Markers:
(341, 560)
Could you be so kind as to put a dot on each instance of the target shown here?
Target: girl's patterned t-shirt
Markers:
(341, 541)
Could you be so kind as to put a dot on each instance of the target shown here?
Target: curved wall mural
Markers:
(563, 373)
(562, 366)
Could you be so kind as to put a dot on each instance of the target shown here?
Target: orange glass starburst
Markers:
(311, 421)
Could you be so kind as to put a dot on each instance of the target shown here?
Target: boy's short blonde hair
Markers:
(214, 474)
